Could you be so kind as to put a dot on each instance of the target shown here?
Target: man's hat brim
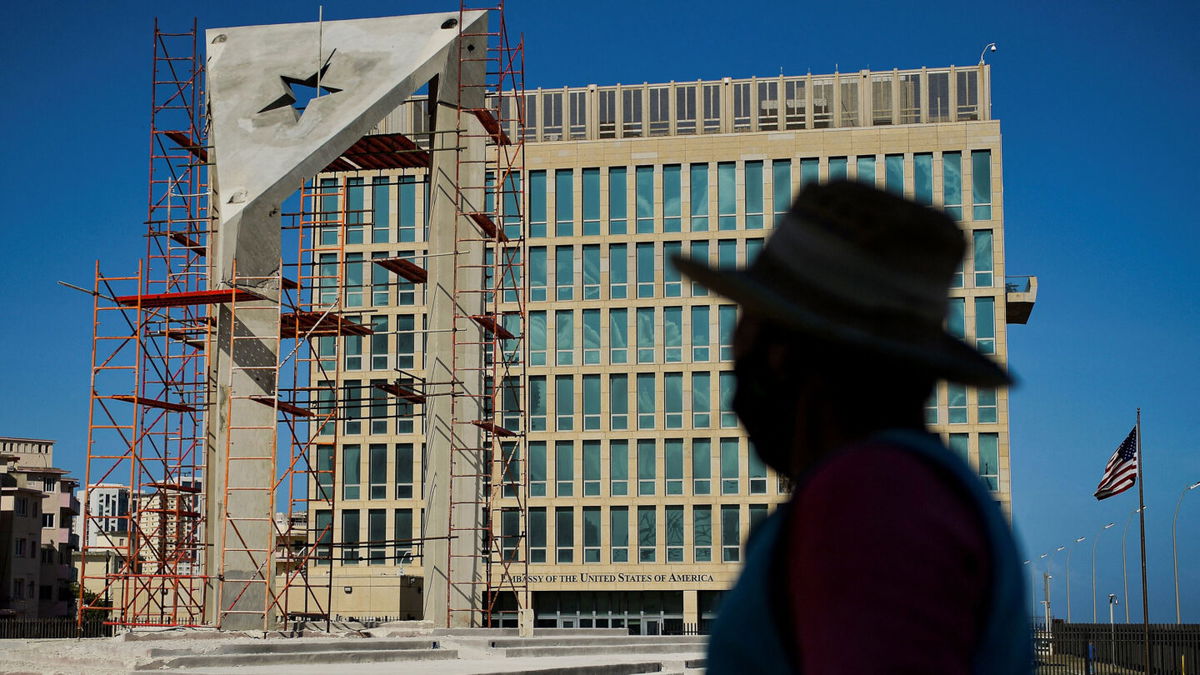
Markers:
(940, 353)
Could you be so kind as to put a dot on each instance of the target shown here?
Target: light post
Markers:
(1112, 627)
(991, 46)
(1069, 551)
(1095, 541)
(1124, 569)
(1032, 589)
(1175, 549)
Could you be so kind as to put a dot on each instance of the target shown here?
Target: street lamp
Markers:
(1071, 550)
(1095, 541)
(989, 46)
(1124, 569)
(1174, 548)
(1032, 587)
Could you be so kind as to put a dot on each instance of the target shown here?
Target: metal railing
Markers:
(1103, 649)
(56, 627)
(1019, 284)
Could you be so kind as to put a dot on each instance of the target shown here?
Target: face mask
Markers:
(765, 409)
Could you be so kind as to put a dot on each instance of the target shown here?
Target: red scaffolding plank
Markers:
(315, 324)
(282, 406)
(402, 392)
(491, 125)
(489, 324)
(185, 298)
(381, 151)
(194, 489)
(154, 403)
(404, 268)
(188, 243)
(185, 141)
(493, 428)
(485, 223)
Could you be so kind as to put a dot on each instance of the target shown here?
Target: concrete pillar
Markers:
(691, 607)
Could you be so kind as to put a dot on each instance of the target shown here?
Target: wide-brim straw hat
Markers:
(854, 265)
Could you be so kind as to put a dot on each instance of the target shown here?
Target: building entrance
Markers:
(641, 612)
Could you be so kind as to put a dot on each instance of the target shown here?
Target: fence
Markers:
(58, 627)
(1104, 649)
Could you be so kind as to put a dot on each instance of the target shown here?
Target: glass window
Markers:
(564, 469)
(923, 177)
(618, 401)
(881, 100)
(673, 334)
(564, 402)
(404, 470)
(726, 196)
(702, 533)
(645, 400)
(674, 526)
(931, 407)
(727, 253)
(728, 417)
(701, 466)
(379, 343)
(537, 338)
(989, 460)
(781, 186)
(685, 109)
(849, 102)
(982, 245)
(701, 400)
(985, 325)
(699, 254)
(591, 402)
(618, 468)
(618, 336)
(894, 168)
(618, 271)
(377, 471)
(959, 444)
(618, 195)
(968, 94)
(355, 210)
(810, 171)
(673, 400)
(754, 195)
(768, 105)
(794, 108)
(537, 403)
(712, 108)
(618, 518)
(647, 533)
(645, 335)
(631, 107)
(564, 203)
(537, 203)
(402, 532)
(512, 468)
(955, 318)
(952, 184)
(987, 405)
(956, 403)
(564, 337)
(591, 534)
(381, 215)
(537, 534)
(564, 272)
(351, 536)
(591, 337)
(730, 466)
(741, 106)
(646, 466)
(591, 468)
(591, 272)
(753, 248)
(578, 112)
(698, 194)
(537, 468)
(757, 472)
(323, 528)
(324, 472)
(731, 533)
(351, 471)
(354, 350)
(591, 202)
(939, 97)
(981, 184)
(672, 279)
(864, 170)
(758, 513)
(537, 273)
(700, 333)
(564, 534)
(645, 270)
(510, 533)
(837, 168)
(377, 536)
(673, 462)
(354, 279)
(645, 199)
(406, 188)
(672, 186)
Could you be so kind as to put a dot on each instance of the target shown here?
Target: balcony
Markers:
(1021, 294)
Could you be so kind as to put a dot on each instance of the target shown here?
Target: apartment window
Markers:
(618, 271)
(987, 405)
(645, 199)
(329, 213)
(893, 167)
(376, 536)
(753, 248)
(326, 401)
(647, 533)
(591, 201)
(702, 533)
(511, 475)
(674, 527)
(564, 203)
(324, 473)
(989, 460)
(510, 534)
(726, 383)
(810, 171)
(939, 97)
(326, 353)
(537, 468)
(956, 403)
(757, 472)
(537, 338)
(350, 537)
(701, 400)
(672, 220)
(730, 465)
(631, 106)
(685, 109)
(981, 184)
(564, 469)
(323, 526)
(645, 269)
(701, 466)
(406, 188)
(618, 336)
(564, 534)
(673, 463)
(618, 401)
(754, 195)
(564, 337)
(727, 253)
(837, 168)
(955, 318)
(700, 333)
(672, 279)
(645, 400)
(982, 253)
(537, 203)
(673, 400)
(354, 278)
(646, 461)
(591, 534)
(985, 324)
(952, 184)
(511, 216)
(564, 272)
(618, 209)
(699, 254)
(923, 178)
(379, 407)
(618, 518)
(959, 445)
(931, 407)
(712, 108)
(618, 468)
(591, 468)
(351, 472)
(591, 272)
(731, 533)
(758, 513)
(726, 196)
(794, 108)
(537, 534)
(591, 402)
(698, 196)
(380, 212)
(354, 352)
(564, 402)
(865, 170)
(646, 344)
(781, 186)
(377, 471)
(537, 403)
(379, 343)
(537, 274)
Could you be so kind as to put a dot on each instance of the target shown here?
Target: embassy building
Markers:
(642, 487)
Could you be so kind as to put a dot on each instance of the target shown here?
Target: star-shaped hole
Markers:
(298, 93)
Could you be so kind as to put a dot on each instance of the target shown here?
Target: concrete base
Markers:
(525, 623)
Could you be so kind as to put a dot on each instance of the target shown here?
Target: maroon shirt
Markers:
(887, 567)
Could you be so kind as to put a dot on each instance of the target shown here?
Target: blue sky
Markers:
(1095, 108)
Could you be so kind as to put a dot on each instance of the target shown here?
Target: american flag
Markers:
(1121, 472)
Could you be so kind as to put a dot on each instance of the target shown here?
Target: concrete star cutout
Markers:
(298, 92)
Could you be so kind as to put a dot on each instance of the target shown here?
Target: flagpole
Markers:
(1142, 526)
